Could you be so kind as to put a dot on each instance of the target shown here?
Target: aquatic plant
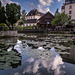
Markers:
(73, 38)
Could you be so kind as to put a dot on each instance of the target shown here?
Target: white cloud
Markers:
(59, 0)
(44, 5)
(45, 2)
(55, 64)
(31, 60)
(4, 2)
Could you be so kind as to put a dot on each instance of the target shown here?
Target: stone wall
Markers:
(8, 33)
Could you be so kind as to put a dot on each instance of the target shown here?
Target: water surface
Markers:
(37, 54)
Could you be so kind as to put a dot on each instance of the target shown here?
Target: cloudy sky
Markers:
(41, 5)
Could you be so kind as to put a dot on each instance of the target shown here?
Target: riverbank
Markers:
(8, 33)
(45, 31)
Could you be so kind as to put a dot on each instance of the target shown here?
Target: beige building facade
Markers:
(69, 9)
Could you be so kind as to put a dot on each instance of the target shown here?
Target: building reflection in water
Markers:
(69, 57)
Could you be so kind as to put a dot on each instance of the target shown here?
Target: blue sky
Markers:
(41, 5)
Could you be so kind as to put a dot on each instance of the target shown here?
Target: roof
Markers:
(35, 12)
(45, 16)
(31, 21)
(46, 19)
(63, 7)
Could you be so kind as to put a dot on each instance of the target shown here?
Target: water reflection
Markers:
(44, 55)
(69, 57)
(52, 66)
(9, 58)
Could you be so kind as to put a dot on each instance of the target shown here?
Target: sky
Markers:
(42, 5)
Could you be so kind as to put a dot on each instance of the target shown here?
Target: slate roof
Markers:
(46, 16)
(35, 12)
(31, 21)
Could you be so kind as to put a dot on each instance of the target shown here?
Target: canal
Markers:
(37, 54)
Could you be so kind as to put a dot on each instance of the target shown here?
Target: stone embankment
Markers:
(8, 33)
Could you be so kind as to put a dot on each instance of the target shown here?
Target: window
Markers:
(70, 17)
(70, 7)
(70, 12)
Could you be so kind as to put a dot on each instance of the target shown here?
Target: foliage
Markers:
(21, 22)
(61, 20)
(27, 27)
(13, 13)
(3, 26)
(23, 14)
(2, 14)
(73, 38)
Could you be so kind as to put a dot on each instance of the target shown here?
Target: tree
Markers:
(2, 14)
(21, 22)
(61, 20)
(13, 13)
(23, 14)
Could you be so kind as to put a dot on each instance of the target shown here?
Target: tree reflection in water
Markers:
(9, 57)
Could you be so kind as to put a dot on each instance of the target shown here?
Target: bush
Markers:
(27, 27)
(21, 22)
(3, 26)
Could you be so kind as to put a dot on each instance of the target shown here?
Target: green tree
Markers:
(23, 15)
(21, 22)
(3, 26)
(13, 13)
(61, 20)
(2, 14)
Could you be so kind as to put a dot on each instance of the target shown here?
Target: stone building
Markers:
(69, 8)
(32, 17)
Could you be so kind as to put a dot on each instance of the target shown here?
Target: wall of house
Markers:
(30, 24)
(33, 17)
(67, 9)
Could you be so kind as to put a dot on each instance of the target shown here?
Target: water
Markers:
(37, 54)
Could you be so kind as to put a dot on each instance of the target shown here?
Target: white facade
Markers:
(70, 10)
(33, 17)
(30, 24)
